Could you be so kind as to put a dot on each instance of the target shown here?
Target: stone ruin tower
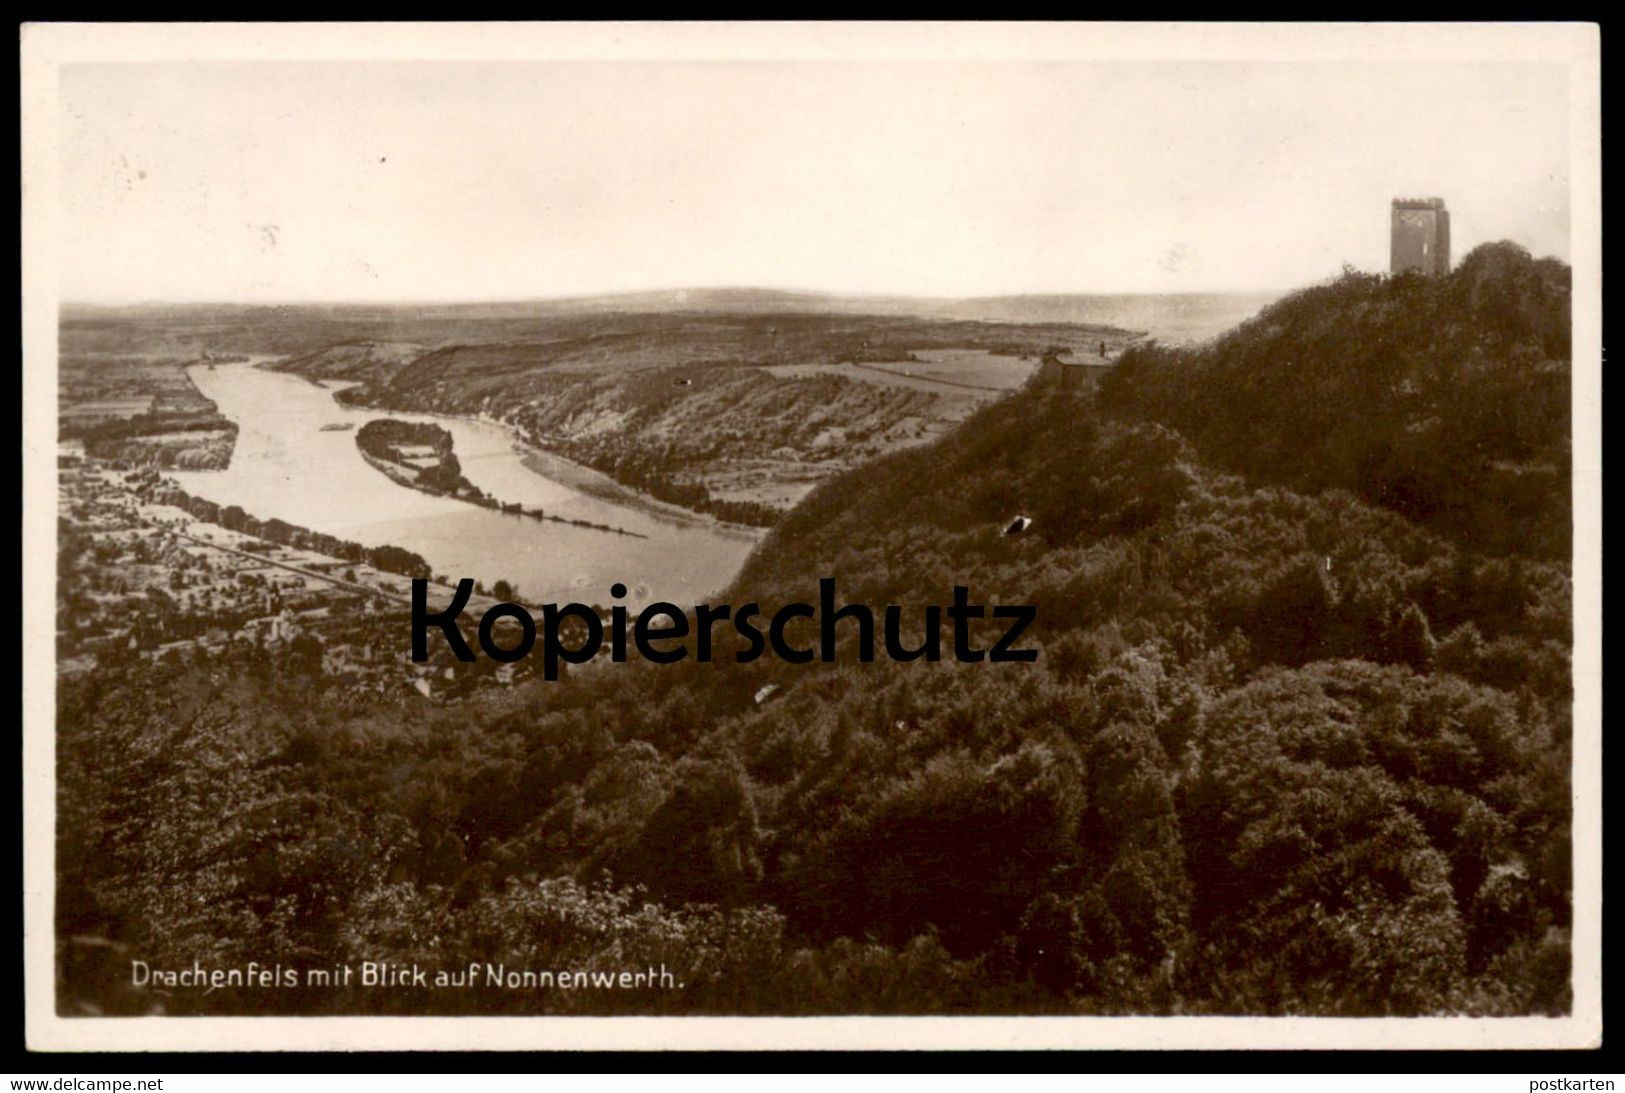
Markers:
(1420, 238)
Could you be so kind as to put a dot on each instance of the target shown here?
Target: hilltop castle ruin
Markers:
(1420, 237)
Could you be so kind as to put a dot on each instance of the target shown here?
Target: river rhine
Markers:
(287, 466)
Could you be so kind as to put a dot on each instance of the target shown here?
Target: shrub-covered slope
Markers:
(1444, 399)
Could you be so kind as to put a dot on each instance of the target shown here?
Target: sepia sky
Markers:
(281, 181)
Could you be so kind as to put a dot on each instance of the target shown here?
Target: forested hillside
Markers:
(1297, 741)
(1444, 399)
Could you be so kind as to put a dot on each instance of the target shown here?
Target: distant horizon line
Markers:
(671, 291)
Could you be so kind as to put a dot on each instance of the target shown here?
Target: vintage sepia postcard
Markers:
(811, 535)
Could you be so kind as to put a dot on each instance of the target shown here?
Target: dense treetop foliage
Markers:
(1445, 399)
(386, 439)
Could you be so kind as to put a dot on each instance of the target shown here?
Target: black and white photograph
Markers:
(714, 522)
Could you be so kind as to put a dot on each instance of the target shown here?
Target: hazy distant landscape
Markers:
(1166, 316)
(728, 402)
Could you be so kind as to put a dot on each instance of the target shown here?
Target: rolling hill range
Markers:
(1165, 316)
(722, 403)
(734, 414)
(797, 385)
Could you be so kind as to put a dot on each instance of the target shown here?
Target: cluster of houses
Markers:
(223, 587)
(1073, 371)
(416, 456)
